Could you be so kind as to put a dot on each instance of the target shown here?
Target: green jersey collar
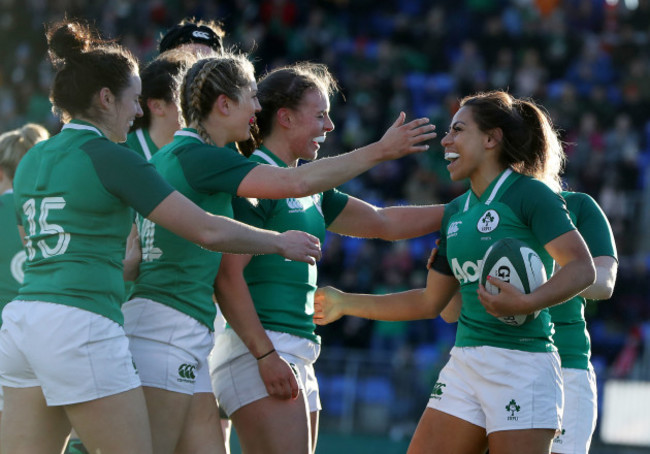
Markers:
(146, 142)
(189, 132)
(491, 192)
(269, 157)
(80, 125)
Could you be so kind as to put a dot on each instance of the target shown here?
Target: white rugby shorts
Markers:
(580, 412)
(74, 355)
(501, 389)
(236, 378)
(170, 349)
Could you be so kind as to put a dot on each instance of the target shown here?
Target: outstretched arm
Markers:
(361, 219)
(219, 233)
(331, 304)
(272, 182)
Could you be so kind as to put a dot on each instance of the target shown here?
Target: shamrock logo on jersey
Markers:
(488, 222)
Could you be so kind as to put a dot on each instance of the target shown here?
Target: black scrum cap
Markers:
(190, 33)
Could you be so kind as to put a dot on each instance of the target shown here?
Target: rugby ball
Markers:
(513, 261)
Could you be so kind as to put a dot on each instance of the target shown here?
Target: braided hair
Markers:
(209, 78)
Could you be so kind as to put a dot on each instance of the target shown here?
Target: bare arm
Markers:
(606, 270)
(272, 182)
(237, 306)
(218, 233)
(331, 304)
(576, 274)
(451, 312)
(364, 220)
(133, 256)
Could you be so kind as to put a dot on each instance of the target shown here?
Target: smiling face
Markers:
(123, 111)
(464, 146)
(310, 124)
(244, 110)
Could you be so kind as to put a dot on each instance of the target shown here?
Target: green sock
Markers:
(75, 446)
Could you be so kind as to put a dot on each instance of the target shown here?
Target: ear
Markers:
(493, 138)
(156, 107)
(283, 116)
(106, 97)
(223, 104)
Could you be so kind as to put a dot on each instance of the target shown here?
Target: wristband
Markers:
(265, 354)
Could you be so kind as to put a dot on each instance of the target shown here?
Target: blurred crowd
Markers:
(587, 61)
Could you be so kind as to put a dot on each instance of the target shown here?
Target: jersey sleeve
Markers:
(334, 202)
(210, 169)
(593, 225)
(543, 210)
(127, 175)
(252, 211)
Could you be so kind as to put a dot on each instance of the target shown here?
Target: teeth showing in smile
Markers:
(319, 139)
(449, 156)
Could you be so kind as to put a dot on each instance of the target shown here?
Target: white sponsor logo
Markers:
(453, 228)
(201, 35)
(467, 272)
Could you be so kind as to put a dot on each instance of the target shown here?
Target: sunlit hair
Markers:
(209, 78)
(286, 87)
(15, 143)
(84, 65)
(161, 79)
(530, 144)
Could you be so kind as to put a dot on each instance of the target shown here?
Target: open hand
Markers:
(403, 139)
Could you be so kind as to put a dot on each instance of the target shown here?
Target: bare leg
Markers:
(202, 430)
(313, 416)
(439, 432)
(167, 414)
(226, 428)
(29, 426)
(530, 441)
(116, 424)
(274, 426)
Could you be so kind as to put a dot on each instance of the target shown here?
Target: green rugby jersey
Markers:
(571, 336)
(12, 254)
(73, 194)
(512, 206)
(283, 290)
(140, 141)
(174, 271)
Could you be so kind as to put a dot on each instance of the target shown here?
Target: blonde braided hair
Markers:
(209, 78)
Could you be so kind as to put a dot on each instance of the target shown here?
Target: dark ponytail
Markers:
(85, 64)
